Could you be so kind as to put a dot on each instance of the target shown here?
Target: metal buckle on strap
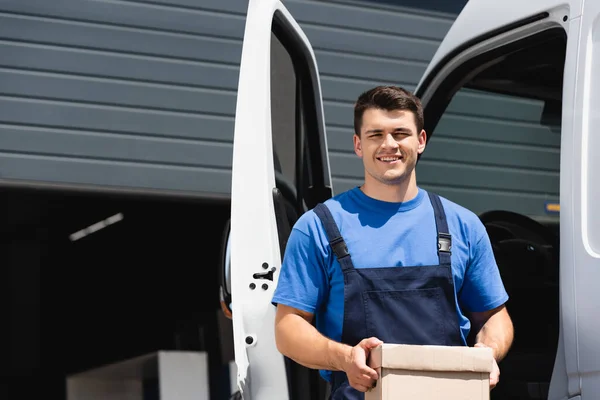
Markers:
(444, 242)
(339, 247)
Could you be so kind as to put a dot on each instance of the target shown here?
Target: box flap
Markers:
(432, 358)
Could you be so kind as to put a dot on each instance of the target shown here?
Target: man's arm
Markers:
(299, 340)
(495, 330)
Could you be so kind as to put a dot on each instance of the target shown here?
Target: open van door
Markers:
(580, 263)
(280, 170)
(515, 93)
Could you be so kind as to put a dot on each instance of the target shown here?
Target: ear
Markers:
(357, 145)
(422, 141)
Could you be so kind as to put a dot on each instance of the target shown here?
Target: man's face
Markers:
(389, 145)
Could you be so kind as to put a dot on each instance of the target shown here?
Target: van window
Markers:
(297, 120)
(496, 145)
(496, 153)
(283, 110)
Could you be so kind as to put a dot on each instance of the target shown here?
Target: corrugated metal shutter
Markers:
(141, 95)
(359, 45)
(119, 94)
(491, 152)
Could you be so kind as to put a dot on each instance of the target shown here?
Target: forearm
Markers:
(497, 333)
(299, 340)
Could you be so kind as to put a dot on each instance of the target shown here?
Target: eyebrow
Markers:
(400, 129)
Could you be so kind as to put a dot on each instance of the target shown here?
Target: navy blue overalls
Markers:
(402, 305)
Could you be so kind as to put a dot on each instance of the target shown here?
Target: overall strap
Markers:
(336, 241)
(444, 239)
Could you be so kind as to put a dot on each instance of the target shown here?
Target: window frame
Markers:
(312, 181)
(454, 81)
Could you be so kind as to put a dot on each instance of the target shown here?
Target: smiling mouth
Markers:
(390, 159)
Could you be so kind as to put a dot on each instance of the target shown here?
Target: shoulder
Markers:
(308, 234)
(463, 221)
(455, 210)
(309, 222)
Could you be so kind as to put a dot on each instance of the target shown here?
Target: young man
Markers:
(386, 261)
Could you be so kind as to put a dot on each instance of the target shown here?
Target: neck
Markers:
(391, 192)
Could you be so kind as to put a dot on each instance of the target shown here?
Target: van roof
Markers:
(483, 17)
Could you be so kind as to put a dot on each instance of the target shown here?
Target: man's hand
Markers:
(495, 373)
(299, 340)
(360, 376)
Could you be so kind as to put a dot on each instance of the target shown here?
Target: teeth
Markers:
(389, 158)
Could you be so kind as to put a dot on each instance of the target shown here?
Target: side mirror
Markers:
(225, 271)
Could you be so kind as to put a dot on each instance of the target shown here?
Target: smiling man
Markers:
(386, 261)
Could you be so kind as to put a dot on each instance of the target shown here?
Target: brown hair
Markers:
(388, 98)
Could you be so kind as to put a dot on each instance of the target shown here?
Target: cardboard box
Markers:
(431, 372)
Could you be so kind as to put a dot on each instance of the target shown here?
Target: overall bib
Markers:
(400, 305)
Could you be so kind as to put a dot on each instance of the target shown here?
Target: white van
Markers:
(539, 56)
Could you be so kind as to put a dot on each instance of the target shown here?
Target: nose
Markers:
(389, 142)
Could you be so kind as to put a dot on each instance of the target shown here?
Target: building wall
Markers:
(141, 95)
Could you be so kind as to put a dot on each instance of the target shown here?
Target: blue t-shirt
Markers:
(385, 234)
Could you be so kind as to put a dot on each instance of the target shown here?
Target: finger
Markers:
(369, 372)
(494, 378)
(359, 387)
(493, 382)
(368, 380)
(372, 342)
(362, 379)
